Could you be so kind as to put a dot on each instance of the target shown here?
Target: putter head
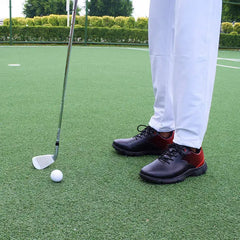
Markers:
(43, 161)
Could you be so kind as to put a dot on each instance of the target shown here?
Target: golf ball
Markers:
(56, 175)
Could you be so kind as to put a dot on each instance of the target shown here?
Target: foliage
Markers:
(115, 34)
(37, 21)
(6, 22)
(231, 11)
(4, 33)
(80, 20)
(115, 26)
(45, 7)
(233, 33)
(142, 23)
(30, 22)
(95, 21)
(108, 21)
(227, 27)
(110, 7)
(229, 40)
(19, 21)
(130, 22)
(95, 34)
(53, 20)
(236, 27)
(15, 21)
(62, 20)
(59, 34)
(45, 19)
(120, 21)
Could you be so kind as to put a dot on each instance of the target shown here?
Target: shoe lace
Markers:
(144, 132)
(172, 151)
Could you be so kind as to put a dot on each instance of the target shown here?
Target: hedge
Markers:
(61, 20)
(95, 34)
(236, 28)
(105, 21)
(226, 27)
(60, 34)
(229, 40)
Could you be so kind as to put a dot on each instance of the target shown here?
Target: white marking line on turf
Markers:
(14, 65)
(128, 48)
(230, 59)
(225, 66)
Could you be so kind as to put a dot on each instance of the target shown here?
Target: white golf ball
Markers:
(56, 175)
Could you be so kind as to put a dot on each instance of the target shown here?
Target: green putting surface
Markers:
(109, 93)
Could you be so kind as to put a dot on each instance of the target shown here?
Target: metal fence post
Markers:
(10, 17)
(86, 24)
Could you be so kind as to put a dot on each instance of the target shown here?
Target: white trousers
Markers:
(183, 42)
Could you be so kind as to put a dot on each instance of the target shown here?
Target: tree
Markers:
(110, 8)
(34, 8)
(231, 11)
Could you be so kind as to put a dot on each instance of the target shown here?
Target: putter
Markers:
(43, 161)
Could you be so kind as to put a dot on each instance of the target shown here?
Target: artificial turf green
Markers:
(109, 93)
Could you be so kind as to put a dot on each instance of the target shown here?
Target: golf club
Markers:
(43, 161)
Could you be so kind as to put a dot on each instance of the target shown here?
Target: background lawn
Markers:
(109, 93)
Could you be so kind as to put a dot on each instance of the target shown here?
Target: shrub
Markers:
(62, 20)
(229, 40)
(236, 27)
(22, 21)
(80, 20)
(108, 21)
(45, 20)
(30, 22)
(6, 22)
(37, 21)
(4, 33)
(53, 20)
(117, 35)
(142, 23)
(115, 27)
(95, 21)
(15, 21)
(130, 22)
(59, 34)
(120, 21)
(102, 35)
(233, 33)
(227, 27)
(18, 21)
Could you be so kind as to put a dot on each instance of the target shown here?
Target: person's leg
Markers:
(196, 34)
(161, 46)
(156, 137)
(197, 29)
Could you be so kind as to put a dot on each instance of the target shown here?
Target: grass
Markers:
(101, 197)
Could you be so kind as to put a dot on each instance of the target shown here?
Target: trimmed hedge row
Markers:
(60, 34)
(61, 20)
(105, 21)
(229, 40)
(227, 27)
(98, 35)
